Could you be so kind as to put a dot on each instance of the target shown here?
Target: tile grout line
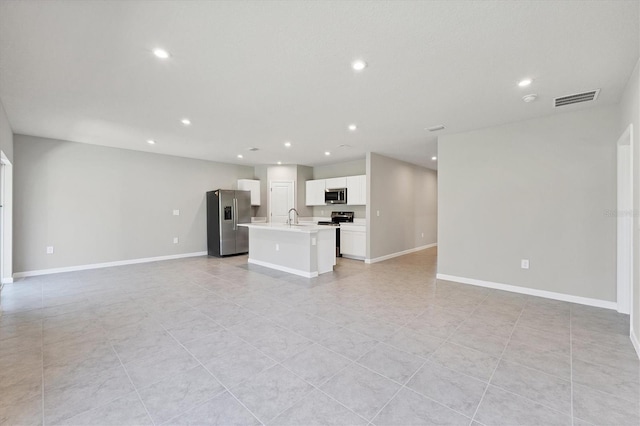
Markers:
(277, 362)
(128, 377)
(352, 362)
(313, 342)
(498, 363)
(403, 386)
(231, 301)
(212, 375)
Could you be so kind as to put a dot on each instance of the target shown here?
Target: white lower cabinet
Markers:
(353, 243)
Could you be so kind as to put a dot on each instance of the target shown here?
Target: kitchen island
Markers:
(306, 249)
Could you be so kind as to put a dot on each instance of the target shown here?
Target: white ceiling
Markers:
(255, 74)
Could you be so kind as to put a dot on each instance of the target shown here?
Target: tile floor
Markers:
(211, 341)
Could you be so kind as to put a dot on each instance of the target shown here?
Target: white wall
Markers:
(537, 190)
(96, 204)
(406, 197)
(630, 114)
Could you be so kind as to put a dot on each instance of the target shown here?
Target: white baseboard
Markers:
(348, 256)
(283, 268)
(635, 342)
(105, 265)
(531, 291)
(7, 280)
(400, 253)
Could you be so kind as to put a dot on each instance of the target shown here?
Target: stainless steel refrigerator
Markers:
(225, 210)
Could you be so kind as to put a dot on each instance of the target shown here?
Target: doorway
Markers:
(281, 199)
(624, 215)
(6, 219)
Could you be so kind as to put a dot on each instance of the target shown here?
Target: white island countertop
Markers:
(302, 227)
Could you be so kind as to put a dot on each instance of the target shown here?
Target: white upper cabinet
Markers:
(314, 195)
(253, 186)
(332, 183)
(356, 190)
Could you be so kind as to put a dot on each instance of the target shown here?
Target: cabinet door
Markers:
(353, 243)
(347, 241)
(315, 193)
(253, 186)
(357, 190)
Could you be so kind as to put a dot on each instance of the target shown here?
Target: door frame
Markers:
(271, 183)
(624, 222)
(6, 216)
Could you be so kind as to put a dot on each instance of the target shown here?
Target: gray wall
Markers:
(406, 196)
(347, 168)
(6, 134)
(537, 190)
(630, 114)
(96, 204)
(304, 173)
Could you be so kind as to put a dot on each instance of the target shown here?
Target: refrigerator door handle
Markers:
(235, 214)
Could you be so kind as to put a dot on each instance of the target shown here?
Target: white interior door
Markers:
(624, 216)
(281, 199)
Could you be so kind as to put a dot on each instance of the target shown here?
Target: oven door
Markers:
(335, 196)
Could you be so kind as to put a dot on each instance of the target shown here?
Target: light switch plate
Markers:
(524, 263)
(175, 240)
(49, 249)
(176, 212)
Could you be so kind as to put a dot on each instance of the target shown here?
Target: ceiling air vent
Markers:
(591, 95)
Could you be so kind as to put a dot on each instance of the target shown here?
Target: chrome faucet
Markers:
(295, 222)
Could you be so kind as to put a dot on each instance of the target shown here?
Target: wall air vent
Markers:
(435, 128)
(591, 95)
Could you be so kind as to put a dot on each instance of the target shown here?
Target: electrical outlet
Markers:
(175, 240)
(378, 213)
(524, 263)
(176, 212)
(277, 247)
(49, 249)
(313, 241)
(423, 235)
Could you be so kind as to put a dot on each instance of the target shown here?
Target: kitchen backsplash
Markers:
(359, 212)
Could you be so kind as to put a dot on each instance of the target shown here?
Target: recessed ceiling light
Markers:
(151, 142)
(353, 127)
(287, 144)
(186, 121)
(358, 65)
(530, 98)
(161, 53)
(525, 82)
(279, 162)
(434, 158)
(327, 153)
(240, 156)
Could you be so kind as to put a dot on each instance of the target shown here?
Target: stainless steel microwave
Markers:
(335, 196)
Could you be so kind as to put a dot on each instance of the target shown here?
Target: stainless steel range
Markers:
(336, 219)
